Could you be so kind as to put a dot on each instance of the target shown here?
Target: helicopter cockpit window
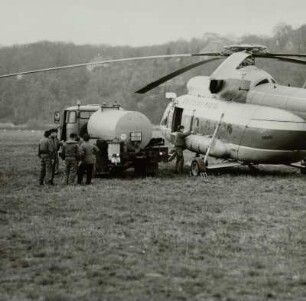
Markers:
(264, 81)
(71, 117)
(165, 119)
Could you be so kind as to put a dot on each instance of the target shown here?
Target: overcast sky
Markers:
(141, 22)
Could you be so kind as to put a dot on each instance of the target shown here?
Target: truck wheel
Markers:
(151, 169)
(197, 167)
(139, 172)
(139, 167)
(145, 168)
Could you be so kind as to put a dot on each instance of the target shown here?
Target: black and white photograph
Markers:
(152, 150)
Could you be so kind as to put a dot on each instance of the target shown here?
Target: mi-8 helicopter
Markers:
(239, 113)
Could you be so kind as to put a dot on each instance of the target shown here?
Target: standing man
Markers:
(71, 154)
(179, 146)
(45, 150)
(56, 146)
(88, 151)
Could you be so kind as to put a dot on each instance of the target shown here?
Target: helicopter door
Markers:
(177, 118)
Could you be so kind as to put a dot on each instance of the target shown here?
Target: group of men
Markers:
(78, 154)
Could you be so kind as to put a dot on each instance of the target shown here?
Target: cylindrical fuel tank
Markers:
(110, 124)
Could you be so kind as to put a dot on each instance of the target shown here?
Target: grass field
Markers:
(234, 235)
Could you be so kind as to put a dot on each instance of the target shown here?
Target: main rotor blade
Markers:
(287, 59)
(171, 75)
(207, 54)
(283, 54)
(102, 63)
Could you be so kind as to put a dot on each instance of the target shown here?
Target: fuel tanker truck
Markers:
(124, 138)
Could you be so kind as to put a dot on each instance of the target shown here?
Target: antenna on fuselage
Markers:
(304, 86)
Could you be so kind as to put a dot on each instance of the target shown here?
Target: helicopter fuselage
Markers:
(261, 123)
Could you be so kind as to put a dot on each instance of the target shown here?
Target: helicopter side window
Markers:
(196, 124)
(71, 117)
(264, 81)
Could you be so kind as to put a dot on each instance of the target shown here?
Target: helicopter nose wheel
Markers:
(198, 168)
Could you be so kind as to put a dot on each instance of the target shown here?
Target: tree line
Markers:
(33, 98)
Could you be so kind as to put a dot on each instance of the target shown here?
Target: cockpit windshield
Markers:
(264, 81)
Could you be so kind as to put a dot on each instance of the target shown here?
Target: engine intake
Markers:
(216, 85)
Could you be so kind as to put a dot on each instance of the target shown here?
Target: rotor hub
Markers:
(252, 49)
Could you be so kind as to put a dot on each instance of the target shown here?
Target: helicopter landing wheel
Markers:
(303, 171)
(197, 167)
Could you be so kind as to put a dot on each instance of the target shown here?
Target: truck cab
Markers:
(74, 120)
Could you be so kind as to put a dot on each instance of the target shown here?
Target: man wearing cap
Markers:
(45, 152)
(71, 154)
(89, 152)
(179, 146)
(56, 146)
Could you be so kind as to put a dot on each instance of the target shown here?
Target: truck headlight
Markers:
(115, 159)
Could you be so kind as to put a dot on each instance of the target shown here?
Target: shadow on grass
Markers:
(167, 172)
(261, 171)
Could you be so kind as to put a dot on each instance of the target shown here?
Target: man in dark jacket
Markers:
(179, 146)
(56, 146)
(88, 152)
(71, 154)
(45, 151)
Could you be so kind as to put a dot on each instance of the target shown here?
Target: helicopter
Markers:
(239, 113)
